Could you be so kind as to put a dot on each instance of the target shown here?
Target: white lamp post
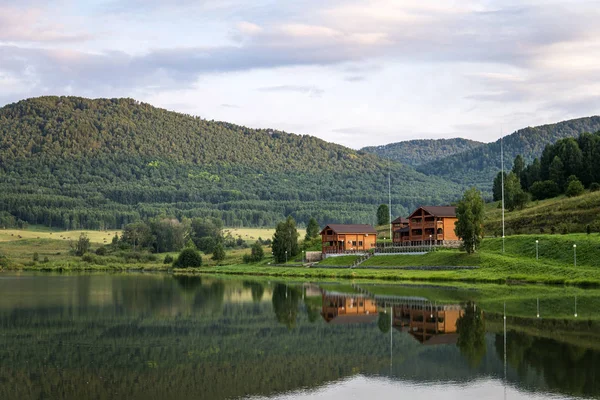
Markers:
(537, 252)
(575, 255)
(430, 242)
(286, 256)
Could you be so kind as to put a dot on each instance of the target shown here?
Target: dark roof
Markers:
(400, 220)
(402, 230)
(438, 211)
(350, 228)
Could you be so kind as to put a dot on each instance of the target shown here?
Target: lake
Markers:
(159, 336)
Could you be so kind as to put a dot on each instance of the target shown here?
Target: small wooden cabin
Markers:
(433, 225)
(341, 238)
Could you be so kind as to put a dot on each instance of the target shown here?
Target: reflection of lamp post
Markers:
(574, 255)
(538, 306)
(575, 306)
(537, 252)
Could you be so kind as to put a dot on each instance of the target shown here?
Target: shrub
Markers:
(82, 246)
(594, 187)
(564, 230)
(588, 229)
(218, 253)
(46, 260)
(101, 251)
(36, 257)
(575, 188)
(188, 258)
(168, 259)
(256, 254)
(553, 230)
(544, 190)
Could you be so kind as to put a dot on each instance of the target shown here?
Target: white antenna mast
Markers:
(390, 199)
(502, 162)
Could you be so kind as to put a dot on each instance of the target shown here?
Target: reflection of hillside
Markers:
(196, 341)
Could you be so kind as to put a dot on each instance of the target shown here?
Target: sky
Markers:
(354, 72)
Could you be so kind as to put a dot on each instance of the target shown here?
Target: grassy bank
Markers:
(517, 264)
(572, 214)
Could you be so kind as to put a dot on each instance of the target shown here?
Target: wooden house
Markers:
(341, 308)
(433, 225)
(342, 238)
(400, 228)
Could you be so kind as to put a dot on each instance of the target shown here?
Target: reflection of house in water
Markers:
(341, 308)
(428, 323)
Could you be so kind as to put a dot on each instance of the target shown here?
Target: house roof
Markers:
(402, 230)
(350, 228)
(438, 211)
(400, 220)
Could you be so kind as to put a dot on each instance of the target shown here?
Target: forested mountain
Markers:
(79, 163)
(478, 166)
(418, 152)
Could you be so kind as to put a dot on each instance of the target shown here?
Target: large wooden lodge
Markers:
(424, 227)
(427, 226)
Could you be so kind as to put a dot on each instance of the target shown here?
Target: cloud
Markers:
(33, 25)
(310, 90)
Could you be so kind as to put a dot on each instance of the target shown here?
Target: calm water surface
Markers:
(176, 337)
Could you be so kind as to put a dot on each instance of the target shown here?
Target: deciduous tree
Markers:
(469, 227)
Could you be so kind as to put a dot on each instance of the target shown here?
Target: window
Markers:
(440, 231)
(354, 243)
(360, 243)
(330, 232)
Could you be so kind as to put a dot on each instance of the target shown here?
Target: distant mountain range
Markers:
(422, 151)
(473, 163)
(478, 166)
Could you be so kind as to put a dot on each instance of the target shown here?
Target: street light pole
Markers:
(537, 252)
(286, 256)
(575, 255)
(430, 242)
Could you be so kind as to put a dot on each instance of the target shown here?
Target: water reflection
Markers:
(157, 336)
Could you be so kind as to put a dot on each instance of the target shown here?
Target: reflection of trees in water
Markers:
(384, 323)
(313, 312)
(188, 283)
(256, 288)
(83, 288)
(285, 304)
(570, 369)
(145, 294)
(210, 298)
(471, 334)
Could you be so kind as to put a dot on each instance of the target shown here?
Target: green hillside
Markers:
(75, 163)
(478, 166)
(418, 152)
(570, 214)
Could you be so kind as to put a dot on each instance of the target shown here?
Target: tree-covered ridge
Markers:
(73, 163)
(418, 152)
(54, 127)
(478, 166)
